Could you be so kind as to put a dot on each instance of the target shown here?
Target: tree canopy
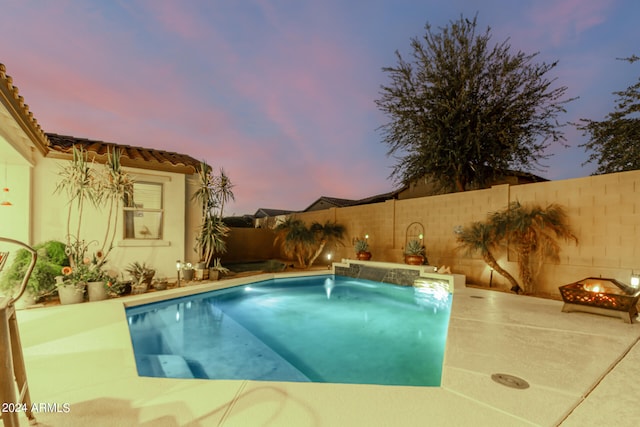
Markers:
(615, 141)
(462, 112)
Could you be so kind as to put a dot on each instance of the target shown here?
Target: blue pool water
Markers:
(319, 329)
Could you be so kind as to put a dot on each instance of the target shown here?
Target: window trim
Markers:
(155, 180)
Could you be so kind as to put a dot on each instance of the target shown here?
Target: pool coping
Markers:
(82, 355)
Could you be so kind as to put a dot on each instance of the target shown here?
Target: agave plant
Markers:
(361, 245)
(414, 247)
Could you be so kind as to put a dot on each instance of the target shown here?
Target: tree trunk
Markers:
(491, 261)
(524, 263)
(317, 253)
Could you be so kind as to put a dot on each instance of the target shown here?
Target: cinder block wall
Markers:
(604, 212)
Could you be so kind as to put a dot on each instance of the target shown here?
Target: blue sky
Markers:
(281, 93)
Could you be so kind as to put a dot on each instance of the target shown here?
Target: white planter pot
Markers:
(97, 291)
(71, 294)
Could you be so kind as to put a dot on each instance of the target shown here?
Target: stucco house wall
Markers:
(51, 209)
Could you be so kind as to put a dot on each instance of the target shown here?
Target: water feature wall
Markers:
(393, 273)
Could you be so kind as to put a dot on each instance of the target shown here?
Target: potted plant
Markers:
(70, 286)
(187, 271)
(160, 284)
(217, 270)
(362, 249)
(142, 276)
(96, 285)
(414, 253)
(81, 182)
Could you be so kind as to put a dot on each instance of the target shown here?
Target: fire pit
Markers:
(601, 296)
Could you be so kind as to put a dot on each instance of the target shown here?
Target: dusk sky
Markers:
(281, 93)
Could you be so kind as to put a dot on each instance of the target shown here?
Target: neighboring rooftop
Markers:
(139, 157)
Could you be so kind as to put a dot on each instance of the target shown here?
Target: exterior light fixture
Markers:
(178, 267)
(329, 261)
(366, 236)
(5, 190)
(5, 197)
(635, 280)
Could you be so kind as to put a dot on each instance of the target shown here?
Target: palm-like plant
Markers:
(481, 237)
(296, 239)
(210, 239)
(212, 231)
(326, 234)
(223, 189)
(304, 243)
(116, 187)
(78, 179)
(533, 233)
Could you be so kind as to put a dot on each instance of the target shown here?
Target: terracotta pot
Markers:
(364, 256)
(414, 259)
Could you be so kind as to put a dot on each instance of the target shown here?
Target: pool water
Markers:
(319, 329)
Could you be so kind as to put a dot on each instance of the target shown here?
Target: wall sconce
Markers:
(5, 197)
(5, 190)
(178, 268)
(635, 280)
(329, 261)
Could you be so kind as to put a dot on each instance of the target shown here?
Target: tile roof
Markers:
(139, 157)
(20, 111)
(265, 212)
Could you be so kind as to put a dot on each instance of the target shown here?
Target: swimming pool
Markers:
(319, 328)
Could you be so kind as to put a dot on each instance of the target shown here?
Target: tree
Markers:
(212, 231)
(615, 141)
(481, 237)
(296, 239)
(530, 231)
(462, 112)
(307, 243)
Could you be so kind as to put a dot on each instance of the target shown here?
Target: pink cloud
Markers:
(568, 19)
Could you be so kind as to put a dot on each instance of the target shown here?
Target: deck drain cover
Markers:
(476, 296)
(510, 381)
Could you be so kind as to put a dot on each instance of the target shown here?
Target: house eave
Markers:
(14, 103)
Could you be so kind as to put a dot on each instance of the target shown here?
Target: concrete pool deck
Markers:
(583, 370)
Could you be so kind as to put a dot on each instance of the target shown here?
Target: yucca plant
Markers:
(211, 194)
(79, 181)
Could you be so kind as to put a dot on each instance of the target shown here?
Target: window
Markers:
(144, 213)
